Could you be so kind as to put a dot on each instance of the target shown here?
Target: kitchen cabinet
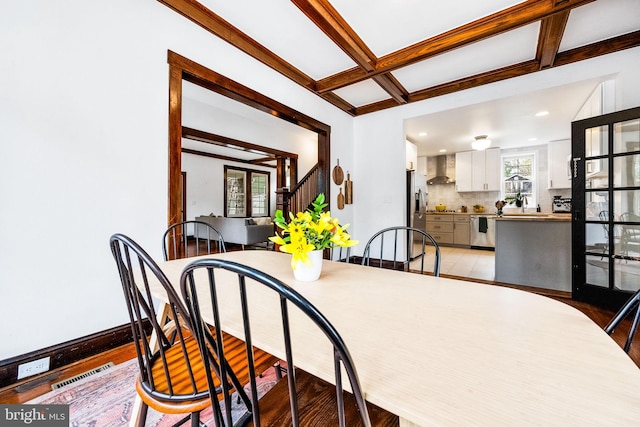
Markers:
(449, 228)
(461, 230)
(478, 170)
(463, 171)
(422, 165)
(440, 226)
(559, 153)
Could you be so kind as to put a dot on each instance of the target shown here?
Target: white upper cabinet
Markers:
(463, 171)
(559, 153)
(492, 169)
(478, 170)
(422, 165)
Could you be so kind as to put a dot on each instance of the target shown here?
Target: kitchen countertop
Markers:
(536, 217)
(461, 213)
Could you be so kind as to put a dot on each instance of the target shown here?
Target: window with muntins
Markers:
(246, 192)
(519, 178)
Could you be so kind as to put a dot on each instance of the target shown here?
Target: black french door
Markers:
(605, 172)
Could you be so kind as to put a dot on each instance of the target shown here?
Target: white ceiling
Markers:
(508, 122)
(386, 27)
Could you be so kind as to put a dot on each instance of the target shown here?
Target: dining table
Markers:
(440, 351)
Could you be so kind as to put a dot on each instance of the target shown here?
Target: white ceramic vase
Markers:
(309, 273)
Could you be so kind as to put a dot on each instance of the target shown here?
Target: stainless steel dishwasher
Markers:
(480, 237)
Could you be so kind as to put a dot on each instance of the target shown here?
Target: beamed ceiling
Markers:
(366, 55)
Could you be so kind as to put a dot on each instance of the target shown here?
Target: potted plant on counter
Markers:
(518, 199)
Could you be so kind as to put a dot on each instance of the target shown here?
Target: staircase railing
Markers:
(299, 198)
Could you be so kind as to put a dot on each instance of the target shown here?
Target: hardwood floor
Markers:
(26, 390)
(31, 388)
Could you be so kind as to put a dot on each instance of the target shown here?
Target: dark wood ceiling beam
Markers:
(330, 22)
(604, 47)
(339, 102)
(551, 31)
(196, 12)
(221, 157)
(324, 15)
(514, 17)
(224, 141)
(264, 160)
(460, 84)
(393, 87)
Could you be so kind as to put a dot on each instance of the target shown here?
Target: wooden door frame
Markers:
(181, 68)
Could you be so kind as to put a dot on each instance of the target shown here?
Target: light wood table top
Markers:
(444, 352)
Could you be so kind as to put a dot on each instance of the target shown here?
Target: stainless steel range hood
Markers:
(441, 169)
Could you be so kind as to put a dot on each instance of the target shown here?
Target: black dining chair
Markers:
(397, 247)
(191, 238)
(340, 254)
(171, 377)
(632, 306)
(301, 399)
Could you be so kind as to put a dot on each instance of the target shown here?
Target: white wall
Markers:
(83, 114)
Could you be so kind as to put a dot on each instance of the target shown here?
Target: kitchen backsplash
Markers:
(446, 194)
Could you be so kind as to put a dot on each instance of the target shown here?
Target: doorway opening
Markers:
(182, 69)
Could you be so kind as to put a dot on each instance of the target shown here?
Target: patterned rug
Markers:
(106, 399)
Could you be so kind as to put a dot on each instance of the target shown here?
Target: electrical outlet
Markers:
(34, 367)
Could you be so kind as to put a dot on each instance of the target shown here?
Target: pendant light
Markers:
(481, 142)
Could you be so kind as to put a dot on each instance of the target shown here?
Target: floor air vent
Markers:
(82, 375)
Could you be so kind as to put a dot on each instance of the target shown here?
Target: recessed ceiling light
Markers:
(443, 150)
(422, 134)
(533, 139)
(541, 113)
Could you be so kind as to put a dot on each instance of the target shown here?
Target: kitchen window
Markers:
(519, 176)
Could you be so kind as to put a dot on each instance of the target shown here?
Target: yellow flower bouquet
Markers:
(309, 231)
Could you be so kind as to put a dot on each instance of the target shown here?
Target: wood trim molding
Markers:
(67, 352)
(261, 162)
(183, 68)
(211, 138)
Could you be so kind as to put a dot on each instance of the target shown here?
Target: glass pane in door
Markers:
(626, 136)
(626, 171)
(598, 270)
(596, 141)
(624, 202)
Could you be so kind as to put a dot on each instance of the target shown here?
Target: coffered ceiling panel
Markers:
(375, 21)
(600, 20)
(362, 93)
(499, 51)
(280, 27)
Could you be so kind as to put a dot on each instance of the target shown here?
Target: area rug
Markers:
(106, 399)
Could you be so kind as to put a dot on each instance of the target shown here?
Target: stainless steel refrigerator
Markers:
(416, 199)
